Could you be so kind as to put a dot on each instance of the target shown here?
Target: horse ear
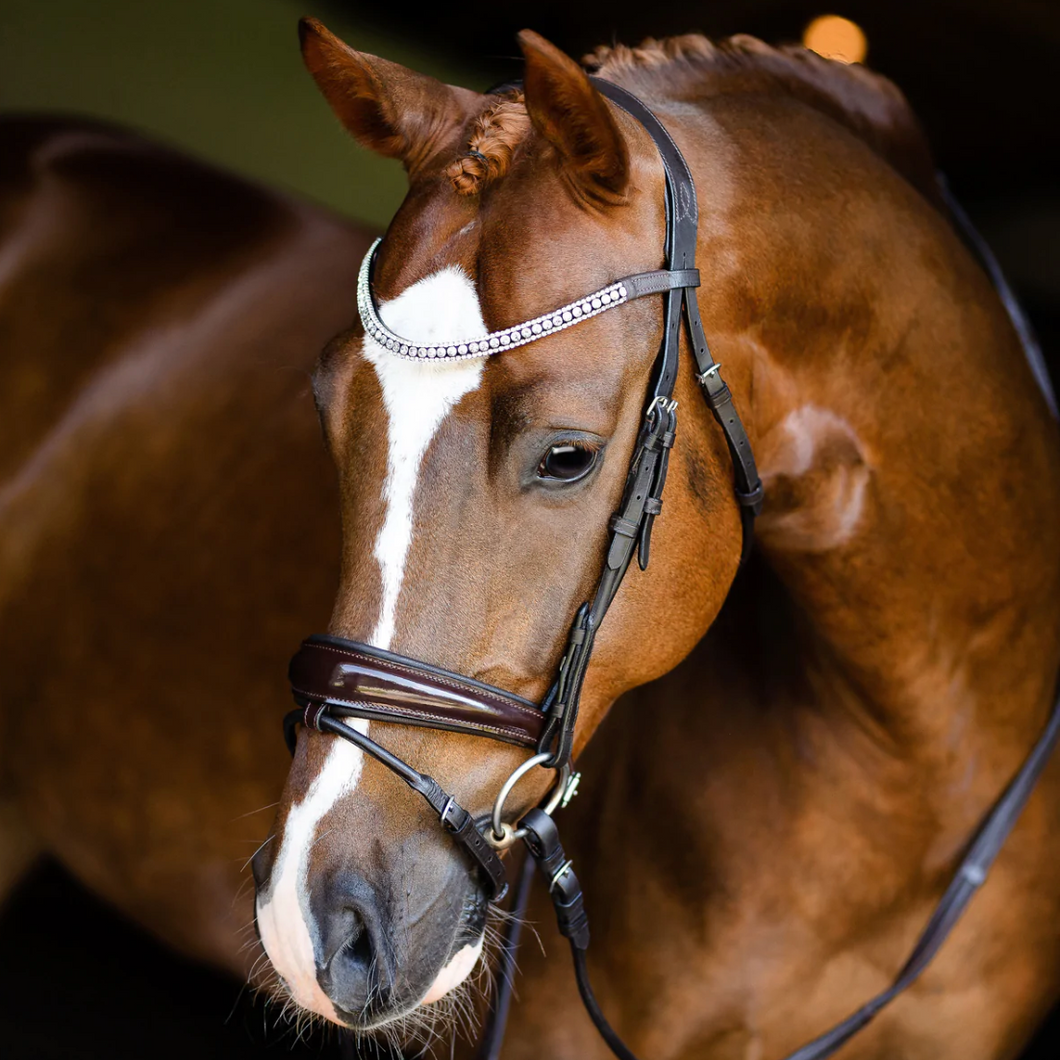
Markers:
(388, 108)
(567, 110)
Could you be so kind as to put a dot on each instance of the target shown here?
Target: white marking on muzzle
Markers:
(454, 973)
(283, 915)
(417, 397)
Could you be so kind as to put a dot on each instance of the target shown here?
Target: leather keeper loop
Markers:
(753, 498)
(312, 714)
(624, 527)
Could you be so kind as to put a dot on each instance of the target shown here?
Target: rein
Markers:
(333, 679)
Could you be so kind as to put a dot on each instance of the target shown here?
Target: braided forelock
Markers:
(494, 137)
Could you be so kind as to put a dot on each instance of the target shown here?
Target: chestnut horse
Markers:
(167, 518)
(771, 814)
(774, 818)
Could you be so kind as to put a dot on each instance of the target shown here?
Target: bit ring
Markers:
(502, 835)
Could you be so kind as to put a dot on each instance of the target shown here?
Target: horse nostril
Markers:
(357, 949)
(260, 866)
(352, 971)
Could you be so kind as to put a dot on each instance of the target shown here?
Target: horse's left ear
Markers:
(388, 108)
(567, 110)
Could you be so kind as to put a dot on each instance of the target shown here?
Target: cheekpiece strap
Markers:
(642, 499)
(682, 226)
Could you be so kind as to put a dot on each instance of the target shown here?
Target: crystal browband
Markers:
(614, 294)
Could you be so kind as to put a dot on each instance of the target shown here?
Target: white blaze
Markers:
(283, 917)
(417, 396)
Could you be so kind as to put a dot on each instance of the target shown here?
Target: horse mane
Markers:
(692, 67)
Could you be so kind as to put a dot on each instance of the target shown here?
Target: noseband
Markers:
(333, 679)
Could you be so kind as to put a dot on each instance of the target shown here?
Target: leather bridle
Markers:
(333, 679)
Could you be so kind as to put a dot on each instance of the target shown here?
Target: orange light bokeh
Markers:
(837, 38)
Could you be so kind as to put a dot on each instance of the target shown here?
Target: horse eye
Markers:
(567, 463)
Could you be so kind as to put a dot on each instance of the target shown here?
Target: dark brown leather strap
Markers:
(367, 682)
(645, 283)
(452, 816)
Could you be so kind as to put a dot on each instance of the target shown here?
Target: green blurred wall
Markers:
(222, 79)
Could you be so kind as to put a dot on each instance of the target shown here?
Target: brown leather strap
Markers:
(660, 280)
(367, 682)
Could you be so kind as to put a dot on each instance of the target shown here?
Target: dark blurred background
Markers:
(223, 80)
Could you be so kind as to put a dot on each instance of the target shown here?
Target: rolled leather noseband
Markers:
(357, 680)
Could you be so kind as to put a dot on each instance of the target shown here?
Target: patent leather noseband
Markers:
(335, 680)
(358, 680)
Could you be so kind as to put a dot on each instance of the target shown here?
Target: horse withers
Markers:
(779, 804)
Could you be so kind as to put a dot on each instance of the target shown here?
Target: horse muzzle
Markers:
(362, 934)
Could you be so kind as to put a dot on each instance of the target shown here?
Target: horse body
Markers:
(778, 815)
(806, 781)
(166, 512)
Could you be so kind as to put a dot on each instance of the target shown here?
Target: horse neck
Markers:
(909, 461)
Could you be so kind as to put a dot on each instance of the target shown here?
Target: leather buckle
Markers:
(703, 377)
(444, 815)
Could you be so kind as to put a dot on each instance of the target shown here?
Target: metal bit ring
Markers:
(502, 835)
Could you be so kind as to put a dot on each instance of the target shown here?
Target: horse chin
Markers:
(446, 984)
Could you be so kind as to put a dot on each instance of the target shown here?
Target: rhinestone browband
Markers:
(614, 294)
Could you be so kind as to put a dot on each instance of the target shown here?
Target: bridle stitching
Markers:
(405, 712)
(449, 682)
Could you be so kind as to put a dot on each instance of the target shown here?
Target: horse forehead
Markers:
(434, 308)
(418, 394)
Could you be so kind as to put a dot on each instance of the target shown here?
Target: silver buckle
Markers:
(712, 370)
(559, 874)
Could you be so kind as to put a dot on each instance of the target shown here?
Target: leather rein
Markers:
(333, 679)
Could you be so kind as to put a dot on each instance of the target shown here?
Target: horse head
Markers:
(476, 498)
